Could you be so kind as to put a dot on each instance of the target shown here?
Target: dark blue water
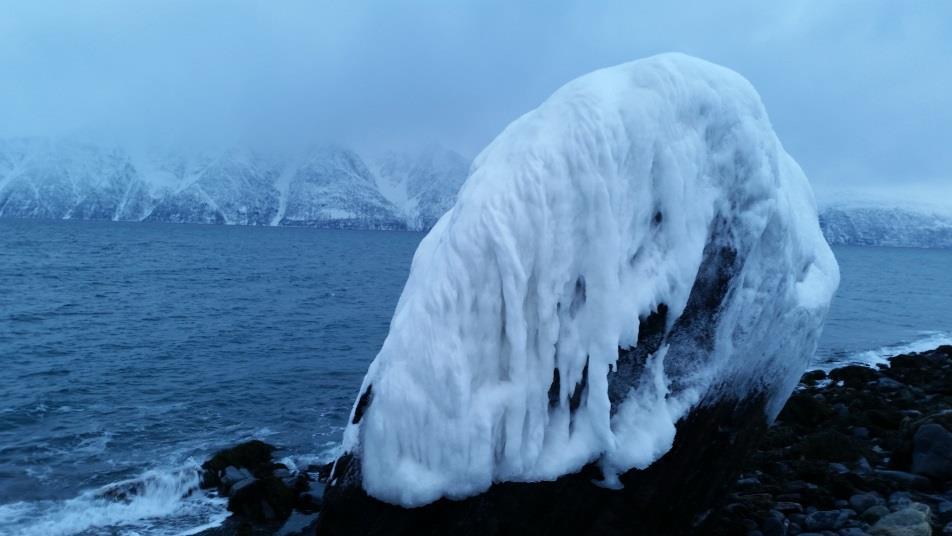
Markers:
(125, 347)
(131, 351)
(890, 301)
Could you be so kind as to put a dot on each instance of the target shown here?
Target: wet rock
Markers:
(944, 508)
(775, 524)
(322, 471)
(832, 445)
(812, 377)
(889, 384)
(910, 521)
(904, 479)
(788, 507)
(313, 498)
(854, 375)
(932, 452)
(804, 409)
(254, 456)
(826, 520)
(232, 475)
(297, 524)
(864, 501)
(242, 484)
(874, 513)
(262, 500)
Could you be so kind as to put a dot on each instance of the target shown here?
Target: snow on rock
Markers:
(638, 246)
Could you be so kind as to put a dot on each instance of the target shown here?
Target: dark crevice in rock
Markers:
(631, 361)
(691, 339)
(576, 400)
(362, 404)
(578, 298)
(554, 389)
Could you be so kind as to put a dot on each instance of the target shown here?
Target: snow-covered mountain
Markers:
(877, 224)
(327, 186)
(423, 185)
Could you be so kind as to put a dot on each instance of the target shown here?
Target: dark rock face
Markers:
(263, 496)
(253, 456)
(664, 498)
(932, 452)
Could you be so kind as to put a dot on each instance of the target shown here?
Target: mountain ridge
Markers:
(877, 224)
(327, 186)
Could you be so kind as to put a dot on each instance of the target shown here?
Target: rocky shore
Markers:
(855, 451)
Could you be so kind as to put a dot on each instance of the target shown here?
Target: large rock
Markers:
(625, 294)
(251, 458)
(932, 452)
(910, 521)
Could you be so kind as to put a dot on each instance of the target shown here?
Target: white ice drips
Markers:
(582, 217)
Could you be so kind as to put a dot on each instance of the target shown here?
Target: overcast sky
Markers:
(859, 92)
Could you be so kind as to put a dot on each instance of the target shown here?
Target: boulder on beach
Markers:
(627, 290)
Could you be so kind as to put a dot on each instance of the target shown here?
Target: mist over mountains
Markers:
(326, 186)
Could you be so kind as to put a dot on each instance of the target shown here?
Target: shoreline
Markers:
(856, 450)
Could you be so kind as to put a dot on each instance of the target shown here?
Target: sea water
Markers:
(130, 352)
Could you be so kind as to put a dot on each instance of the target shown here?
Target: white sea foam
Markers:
(929, 340)
(158, 502)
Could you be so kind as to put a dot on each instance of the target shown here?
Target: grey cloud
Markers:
(858, 91)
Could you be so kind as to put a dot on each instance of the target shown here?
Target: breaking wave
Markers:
(929, 340)
(158, 502)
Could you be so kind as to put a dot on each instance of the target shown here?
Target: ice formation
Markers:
(636, 246)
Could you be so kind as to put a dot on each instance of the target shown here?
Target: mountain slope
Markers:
(335, 188)
(63, 179)
(324, 187)
(883, 225)
(423, 185)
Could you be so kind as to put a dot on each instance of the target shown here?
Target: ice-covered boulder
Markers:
(630, 269)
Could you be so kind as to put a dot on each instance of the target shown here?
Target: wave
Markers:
(929, 340)
(158, 502)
